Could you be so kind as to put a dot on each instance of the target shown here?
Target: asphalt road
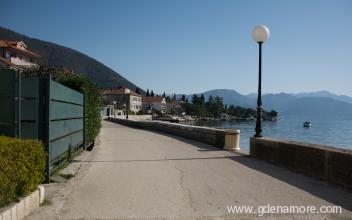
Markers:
(138, 174)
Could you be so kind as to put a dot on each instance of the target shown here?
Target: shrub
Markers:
(93, 102)
(22, 167)
(81, 84)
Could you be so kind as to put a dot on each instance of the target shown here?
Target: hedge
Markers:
(81, 84)
(93, 102)
(22, 167)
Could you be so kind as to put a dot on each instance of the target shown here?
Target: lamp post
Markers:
(260, 34)
(114, 102)
(127, 93)
(125, 106)
(127, 109)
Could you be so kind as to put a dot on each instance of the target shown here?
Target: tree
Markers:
(164, 95)
(215, 106)
(138, 90)
(147, 93)
(183, 98)
(194, 99)
(197, 107)
(273, 113)
(81, 84)
(198, 100)
(93, 102)
(174, 98)
(202, 99)
(152, 93)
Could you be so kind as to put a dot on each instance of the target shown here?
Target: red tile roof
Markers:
(12, 46)
(119, 91)
(3, 44)
(150, 99)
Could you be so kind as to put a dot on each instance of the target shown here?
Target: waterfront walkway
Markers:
(142, 174)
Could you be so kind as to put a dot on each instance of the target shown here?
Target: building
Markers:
(14, 55)
(152, 104)
(122, 97)
(174, 107)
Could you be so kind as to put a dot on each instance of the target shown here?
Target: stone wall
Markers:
(327, 163)
(223, 139)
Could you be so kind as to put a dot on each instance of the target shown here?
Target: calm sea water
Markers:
(330, 132)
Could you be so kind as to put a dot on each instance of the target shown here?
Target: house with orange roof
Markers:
(174, 107)
(15, 55)
(122, 97)
(156, 103)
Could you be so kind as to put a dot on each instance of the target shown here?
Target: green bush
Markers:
(81, 84)
(93, 102)
(22, 167)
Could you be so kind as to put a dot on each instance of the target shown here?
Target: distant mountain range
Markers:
(314, 104)
(59, 56)
(326, 94)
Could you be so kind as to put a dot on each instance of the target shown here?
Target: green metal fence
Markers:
(9, 103)
(40, 108)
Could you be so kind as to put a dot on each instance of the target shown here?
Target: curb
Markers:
(24, 207)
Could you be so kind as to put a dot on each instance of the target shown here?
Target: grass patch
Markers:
(46, 202)
(65, 161)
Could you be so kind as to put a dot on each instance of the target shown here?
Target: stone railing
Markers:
(331, 164)
(220, 138)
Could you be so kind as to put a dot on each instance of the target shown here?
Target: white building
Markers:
(14, 55)
(122, 97)
(151, 104)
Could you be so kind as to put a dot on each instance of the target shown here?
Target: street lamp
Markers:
(260, 34)
(114, 102)
(127, 93)
(125, 106)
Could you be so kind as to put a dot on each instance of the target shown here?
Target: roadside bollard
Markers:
(232, 140)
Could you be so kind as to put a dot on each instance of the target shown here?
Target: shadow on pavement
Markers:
(315, 187)
(331, 193)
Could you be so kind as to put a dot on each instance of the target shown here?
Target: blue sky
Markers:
(191, 46)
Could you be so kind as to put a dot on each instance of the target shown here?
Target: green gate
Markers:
(40, 108)
(10, 82)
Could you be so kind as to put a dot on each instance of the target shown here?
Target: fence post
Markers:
(17, 103)
(84, 119)
(46, 96)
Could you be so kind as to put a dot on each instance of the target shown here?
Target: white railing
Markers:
(22, 62)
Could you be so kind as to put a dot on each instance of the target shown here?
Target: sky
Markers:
(192, 46)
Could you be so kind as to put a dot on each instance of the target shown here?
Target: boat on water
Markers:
(307, 124)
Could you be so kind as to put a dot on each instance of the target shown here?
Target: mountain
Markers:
(319, 106)
(325, 94)
(286, 104)
(229, 96)
(60, 56)
(278, 102)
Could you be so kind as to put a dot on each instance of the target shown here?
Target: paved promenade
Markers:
(141, 174)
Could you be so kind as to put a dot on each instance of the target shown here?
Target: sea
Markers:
(324, 131)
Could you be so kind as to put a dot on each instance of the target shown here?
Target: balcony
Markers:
(22, 62)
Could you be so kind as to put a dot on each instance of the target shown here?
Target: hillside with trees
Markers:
(215, 106)
(54, 55)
